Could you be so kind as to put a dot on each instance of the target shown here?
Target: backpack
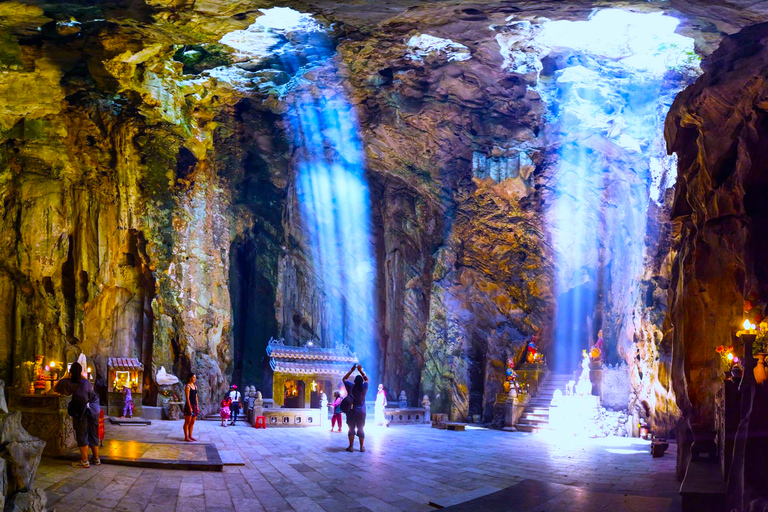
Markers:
(77, 406)
(347, 404)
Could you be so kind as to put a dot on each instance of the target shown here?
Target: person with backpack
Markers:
(236, 398)
(84, 409)
(354, 405)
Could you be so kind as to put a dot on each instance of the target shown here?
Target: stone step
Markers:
(703, 488)
(532, 423)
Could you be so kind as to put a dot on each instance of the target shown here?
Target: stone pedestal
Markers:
(323, 409)
(45, 417)
(596, 378)
(257, 409)
(513, 409)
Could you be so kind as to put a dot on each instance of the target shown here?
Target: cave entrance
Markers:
(253, 313)
(476, 380)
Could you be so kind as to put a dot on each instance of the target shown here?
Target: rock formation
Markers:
(19, 457)
(719, 130)
(149, 207)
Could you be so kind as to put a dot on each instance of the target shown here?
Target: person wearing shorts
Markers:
(356, 415)
(86, 425)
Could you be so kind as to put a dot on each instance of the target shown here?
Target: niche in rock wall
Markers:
(476, 378)
(185, 164)
(68, 290)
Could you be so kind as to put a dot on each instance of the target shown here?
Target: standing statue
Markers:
(584, 385)
(596, 352)
(381, 403)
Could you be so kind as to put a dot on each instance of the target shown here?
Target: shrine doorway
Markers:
(318, 388)
(294, 394)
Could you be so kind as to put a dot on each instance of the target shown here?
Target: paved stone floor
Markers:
(403, 469)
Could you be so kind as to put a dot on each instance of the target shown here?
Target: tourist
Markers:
(356, 415)
(236, 398)
(336, 407)
(84, 409)
(225, 411)
(127, 402)
(381, 403)
(191, 407)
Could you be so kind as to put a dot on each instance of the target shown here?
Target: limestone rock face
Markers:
(718, 128)
(149, 208)
(20, 455)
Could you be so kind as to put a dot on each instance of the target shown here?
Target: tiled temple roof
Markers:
(307, 368)
(309, 360)
(125, 363)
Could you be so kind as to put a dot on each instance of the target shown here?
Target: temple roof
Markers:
(124, 363)
(309, 360)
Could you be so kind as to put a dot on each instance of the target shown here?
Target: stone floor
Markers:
(404, 468)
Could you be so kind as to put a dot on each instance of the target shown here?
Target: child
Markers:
(225, 410)
(336, 405)
(128, 402)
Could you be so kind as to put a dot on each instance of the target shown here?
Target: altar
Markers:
(45, 417)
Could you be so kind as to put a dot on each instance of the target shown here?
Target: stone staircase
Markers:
(536, 415)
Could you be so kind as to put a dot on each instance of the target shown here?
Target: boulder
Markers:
(33, 500)
(19, 457)
(23, 458)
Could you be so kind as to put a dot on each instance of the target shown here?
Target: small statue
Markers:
(584, 385)
(511, 376)
(164, 378)
(531, 351)
(596, 352)
(403, 400)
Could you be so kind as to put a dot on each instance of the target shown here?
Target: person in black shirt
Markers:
(86, 423)
(191, 407)
(356, 415)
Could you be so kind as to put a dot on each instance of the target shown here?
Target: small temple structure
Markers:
(301, 374)
(124, 372)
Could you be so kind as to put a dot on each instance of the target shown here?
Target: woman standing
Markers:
(356, 415)
(84, 409)
(191, 408)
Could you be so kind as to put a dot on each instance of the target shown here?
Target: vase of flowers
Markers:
(759, 351)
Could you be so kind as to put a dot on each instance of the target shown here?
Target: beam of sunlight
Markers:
(616, 76)
(332, 194)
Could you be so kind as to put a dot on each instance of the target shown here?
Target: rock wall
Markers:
(115, 219)
(19, 457)
(148, 206)
(718, 127)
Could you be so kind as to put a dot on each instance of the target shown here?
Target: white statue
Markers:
(164, 378)
(584, 386)
(381, 403)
